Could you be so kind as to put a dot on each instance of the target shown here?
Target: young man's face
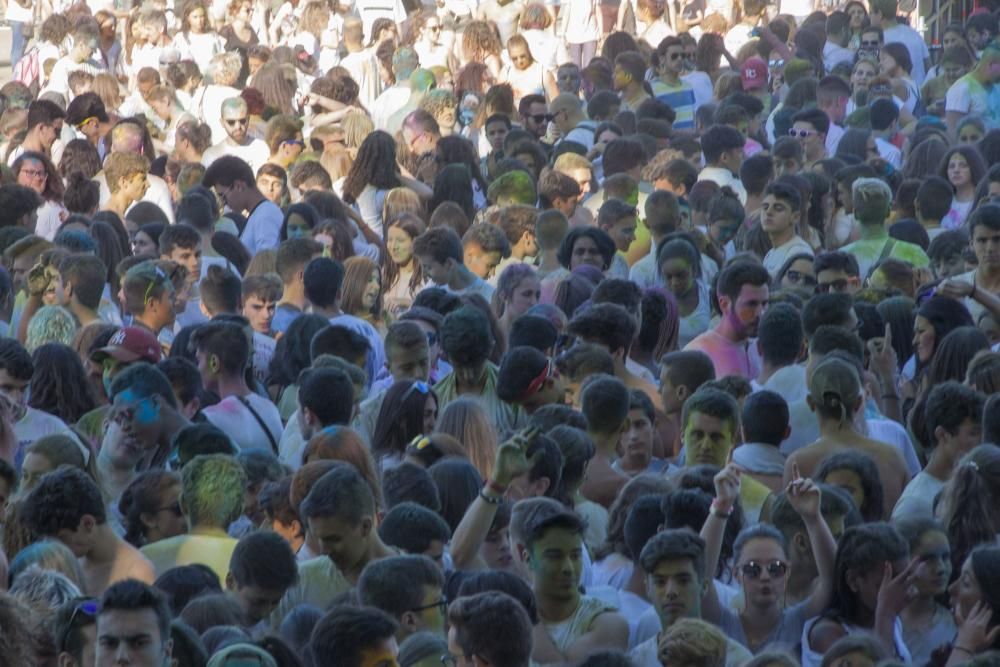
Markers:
(835, 280)
(960, 443)
(672, 402)
(436, 271)
(431, 618)
(343, 543)
(236, 122)
(409, 363)
(260, 312)
(707, 440)
(139, 419)
(673, 60)
(675, 589)
(535, 121)
(496, 132)
(623, 232)
(134, 186)
(947, 267)
(637, 441)
(479, 261)
(14, 390)
(733, 160)
(986, 245)
(786, 165)
(777, 216)
(568, 79)
(131, 637)
(556, 560)
(744, 312)
(273, 188)
(257, 602)
(190, 259)
(585, 251)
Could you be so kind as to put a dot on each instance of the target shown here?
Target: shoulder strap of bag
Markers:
(886, 252)
(260, 422)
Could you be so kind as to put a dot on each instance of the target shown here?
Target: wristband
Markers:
(490, 500)
(721, 511)
(495, 487)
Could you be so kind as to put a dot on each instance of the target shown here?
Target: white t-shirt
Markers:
(157, 193)
(917, 499)
(236, 420)
(915, 44)
(255, 153)
(776, 257)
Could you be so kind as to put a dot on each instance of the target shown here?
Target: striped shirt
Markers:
(681, 100)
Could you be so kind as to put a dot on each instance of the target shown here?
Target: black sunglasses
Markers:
(541, 117)
(752, 569)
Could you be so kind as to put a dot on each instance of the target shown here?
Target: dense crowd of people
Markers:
(499, 334)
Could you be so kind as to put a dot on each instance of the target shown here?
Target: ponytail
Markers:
(970, 503)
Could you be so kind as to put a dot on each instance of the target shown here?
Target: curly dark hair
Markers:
(61, 500)
(59, 385)
(375, 166)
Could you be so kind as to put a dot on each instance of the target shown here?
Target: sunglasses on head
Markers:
(752, 569)
(89, 607)
(422, 387)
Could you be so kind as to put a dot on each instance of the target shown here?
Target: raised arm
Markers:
(727, 490)
(511, 462)
(804, 496)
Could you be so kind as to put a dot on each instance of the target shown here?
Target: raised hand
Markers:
(895, 593)
(727, 485)
(803, 495)
(512, 457)
(974, 633)
(883, 357)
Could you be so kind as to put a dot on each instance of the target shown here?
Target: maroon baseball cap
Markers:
(129, 345)
(753, 73)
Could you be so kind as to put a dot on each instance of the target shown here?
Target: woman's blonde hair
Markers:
(108, 89)
(315, 18)
(466, 420)
(225, 68)
(357, 125)
(399, 201)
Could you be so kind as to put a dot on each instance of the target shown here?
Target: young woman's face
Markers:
(969, 134)
(934, 555)
(800, 275)
(849, 481)
(524, 296)
(399, 245)
(585, 251)
(762, 570)
(496, 550)
(959, 173)
(678, 276)
(520, 57)
(923, 339)
(863, 74)
(430, 414)
(198, 20)
(857, 15)
(951, 39)
(33, 175)
(887, 64)
(372, 290)
(965, 592)
(168, 520)
(144, 244)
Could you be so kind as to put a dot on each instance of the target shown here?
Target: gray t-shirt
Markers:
(785, 635)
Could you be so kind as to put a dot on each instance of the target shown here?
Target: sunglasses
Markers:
(839, 285)
(870, 44)
(422, 387)
(89, 607)
(675, 56)
(801, 133)
(775, 569)
(441, 604)
(85, 122)
(237, 121)
(295, 142)
(799, 278)
(541, 117)
(157, 279)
